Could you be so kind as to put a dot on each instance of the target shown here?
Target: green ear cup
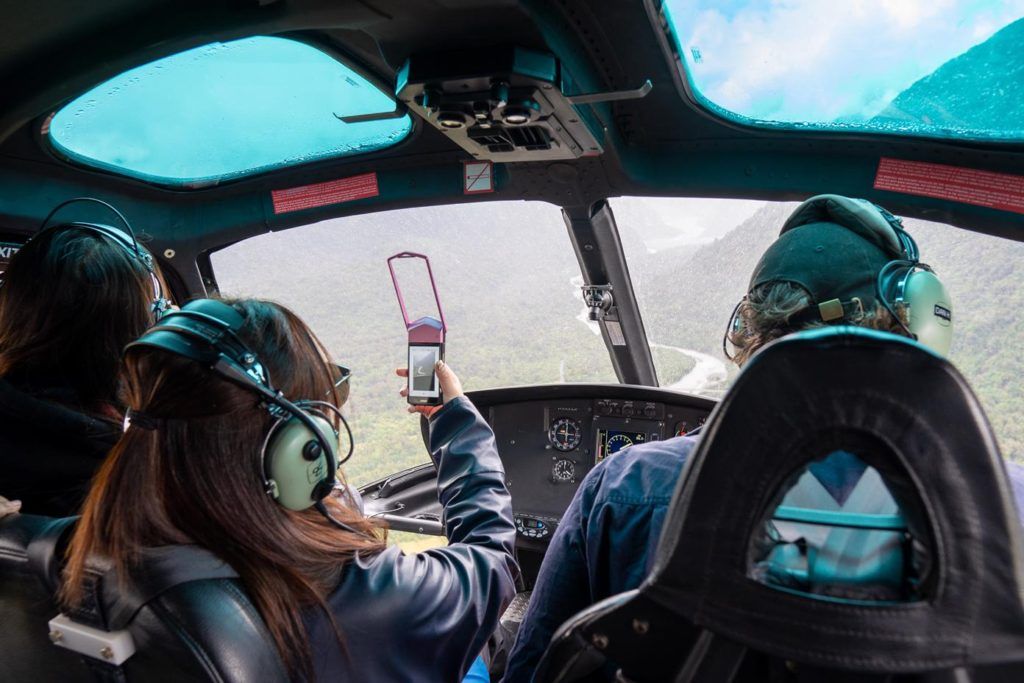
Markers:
(930, 309)
(295, 463)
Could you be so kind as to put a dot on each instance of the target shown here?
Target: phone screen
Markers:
(422, 378)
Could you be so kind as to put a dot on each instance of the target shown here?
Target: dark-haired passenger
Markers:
(822, 270)
(71, 298)
(341, 605)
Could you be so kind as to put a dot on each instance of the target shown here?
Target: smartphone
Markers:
(424, 389)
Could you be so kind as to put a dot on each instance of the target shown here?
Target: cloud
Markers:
(808, 60)
(664, 222)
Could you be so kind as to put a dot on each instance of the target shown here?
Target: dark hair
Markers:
(196, 478)
(70, 301)
(765, 315)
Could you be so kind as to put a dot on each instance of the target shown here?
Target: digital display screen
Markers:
(611, 441)
(422, 378)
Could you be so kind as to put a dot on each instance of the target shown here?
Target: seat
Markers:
(923, 583)
(186, 613)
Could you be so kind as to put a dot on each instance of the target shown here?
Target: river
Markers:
(708, 376)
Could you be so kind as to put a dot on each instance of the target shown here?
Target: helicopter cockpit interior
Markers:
(593, 182)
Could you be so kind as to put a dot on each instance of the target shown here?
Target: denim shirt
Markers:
(607, 541)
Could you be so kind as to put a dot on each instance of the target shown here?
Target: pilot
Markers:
(72, 297)
(209, 458)
(608, 536)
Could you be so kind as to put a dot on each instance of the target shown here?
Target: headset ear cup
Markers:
(929, 309)
(296, 471)
(890, 278)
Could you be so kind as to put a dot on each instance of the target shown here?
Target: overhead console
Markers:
(551, 436)
(503, 104)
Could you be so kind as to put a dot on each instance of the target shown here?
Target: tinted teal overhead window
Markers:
(223, 111)
(946, 69)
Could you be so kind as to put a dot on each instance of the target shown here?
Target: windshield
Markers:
(949, 69)
(690, 261)
(509, 285)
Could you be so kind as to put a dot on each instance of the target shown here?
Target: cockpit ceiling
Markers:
(665, 143)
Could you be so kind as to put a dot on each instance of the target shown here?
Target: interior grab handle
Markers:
(613, 95)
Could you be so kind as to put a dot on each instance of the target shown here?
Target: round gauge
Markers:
(565, 434)
(564, 470)
(617, 442)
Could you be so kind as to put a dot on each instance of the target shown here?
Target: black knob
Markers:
(312, 450)
(627, 410)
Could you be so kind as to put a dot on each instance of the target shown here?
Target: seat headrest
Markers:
(799, 397)
(40, 540)
(43, 541)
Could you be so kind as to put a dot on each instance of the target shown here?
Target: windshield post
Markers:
(595, 239)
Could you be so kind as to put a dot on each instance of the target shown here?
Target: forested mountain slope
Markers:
(978, 90)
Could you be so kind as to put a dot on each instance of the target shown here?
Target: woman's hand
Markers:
(9, 507)
(451, 387)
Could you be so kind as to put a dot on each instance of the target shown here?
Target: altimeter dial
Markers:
(564, 470)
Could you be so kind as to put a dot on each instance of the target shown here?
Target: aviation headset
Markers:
(125, 239)
(899, 278)
(299, 454)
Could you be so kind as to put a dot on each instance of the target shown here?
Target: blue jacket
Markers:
(607, 540)
(426, 617)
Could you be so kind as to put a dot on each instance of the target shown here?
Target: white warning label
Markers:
(478, 177)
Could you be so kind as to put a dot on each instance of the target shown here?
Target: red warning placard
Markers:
(1002, 191)
(322, 194)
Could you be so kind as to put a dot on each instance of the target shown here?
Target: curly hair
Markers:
(766, 315)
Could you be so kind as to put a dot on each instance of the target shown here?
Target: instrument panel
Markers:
(551, 436)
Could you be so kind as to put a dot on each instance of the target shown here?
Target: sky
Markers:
(226, 108)
(666, 222)
(825, 60)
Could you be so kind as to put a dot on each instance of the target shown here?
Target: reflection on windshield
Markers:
(839, 532)
(690, 261)
(507, 278)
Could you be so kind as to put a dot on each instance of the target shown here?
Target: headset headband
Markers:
(848, 253)
(123, 238)
(206, 331)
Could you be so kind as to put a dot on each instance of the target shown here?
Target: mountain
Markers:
(979, 90)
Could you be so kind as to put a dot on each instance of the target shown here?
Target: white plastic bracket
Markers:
(112, 647)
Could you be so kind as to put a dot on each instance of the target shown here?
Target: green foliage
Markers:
(671, 365)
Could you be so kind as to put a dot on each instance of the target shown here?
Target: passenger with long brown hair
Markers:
(71, 298)
(339, 603)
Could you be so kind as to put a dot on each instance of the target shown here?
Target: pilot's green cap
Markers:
(828, 260)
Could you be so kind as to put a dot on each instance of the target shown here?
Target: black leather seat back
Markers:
(186, 611)
(26, 604)
(912, 417)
